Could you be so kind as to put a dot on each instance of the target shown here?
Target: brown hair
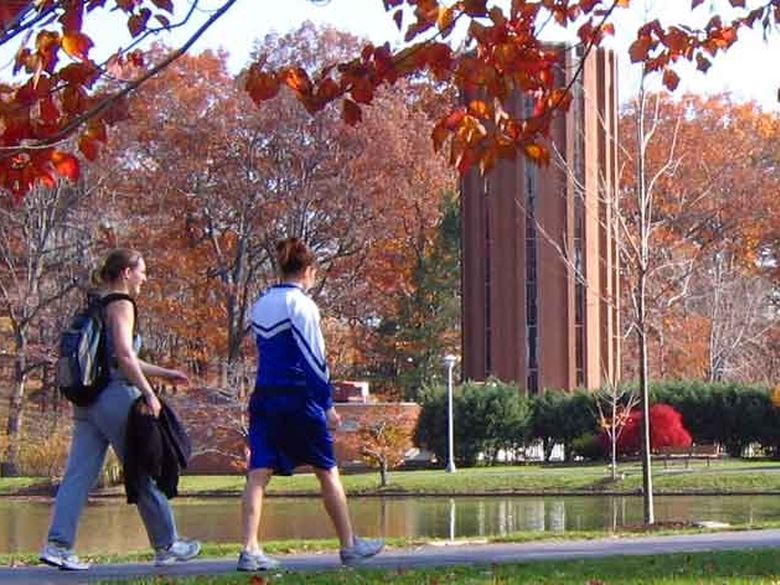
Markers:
(293, 256)
(115, 262)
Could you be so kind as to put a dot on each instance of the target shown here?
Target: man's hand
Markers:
(334, 420)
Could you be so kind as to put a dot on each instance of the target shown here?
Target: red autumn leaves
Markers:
(666, 430)
(659, 48)
(59, 99)
(57, 95)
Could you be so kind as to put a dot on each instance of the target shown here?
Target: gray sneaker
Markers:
(62, 558)
(249, 561)
(360, 550)
(179, 551)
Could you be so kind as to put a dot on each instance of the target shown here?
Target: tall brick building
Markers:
(540, 265)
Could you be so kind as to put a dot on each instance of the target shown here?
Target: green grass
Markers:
(732, 568)
(15, 485)
(722, 476)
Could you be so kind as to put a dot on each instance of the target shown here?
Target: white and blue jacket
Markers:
(290, 347)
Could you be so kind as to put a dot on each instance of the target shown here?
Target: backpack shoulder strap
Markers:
(105, 300)
(111, 297)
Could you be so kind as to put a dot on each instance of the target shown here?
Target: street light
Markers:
(450, 361)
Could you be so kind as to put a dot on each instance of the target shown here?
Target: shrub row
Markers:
(496, 417)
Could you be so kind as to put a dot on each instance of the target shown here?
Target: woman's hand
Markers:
(333, 418)
(178, 378)
(153, 403)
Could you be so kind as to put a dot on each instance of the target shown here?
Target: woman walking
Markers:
(291, 412)
(104, 422)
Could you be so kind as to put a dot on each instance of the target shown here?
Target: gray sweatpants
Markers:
(95, 427)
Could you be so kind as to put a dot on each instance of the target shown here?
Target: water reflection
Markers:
(113, 526)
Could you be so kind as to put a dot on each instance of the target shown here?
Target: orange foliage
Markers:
(62, 91)
(715, 209)
(204, 186)
(381, 437)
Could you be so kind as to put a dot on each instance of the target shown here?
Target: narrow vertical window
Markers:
(486, 255)
(531, 274)
(579, 233)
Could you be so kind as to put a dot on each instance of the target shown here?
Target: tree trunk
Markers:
(10, 467)
(613, 438)
(383, 474)
(644, 387)
(640, 301)
(547, 447)
(235, 332)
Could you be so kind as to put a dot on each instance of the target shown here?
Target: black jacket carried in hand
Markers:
(155, 447)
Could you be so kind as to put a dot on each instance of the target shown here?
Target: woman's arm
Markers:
(175, 376)
(120, 315)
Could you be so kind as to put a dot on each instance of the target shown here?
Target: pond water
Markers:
(111, 526)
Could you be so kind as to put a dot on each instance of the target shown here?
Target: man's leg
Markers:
(335, 501)
(252, 507)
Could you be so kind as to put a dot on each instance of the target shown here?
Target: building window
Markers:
(488, 300)
(531, 281)
(579, 233)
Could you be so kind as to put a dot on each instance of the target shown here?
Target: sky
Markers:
(739, 71)
(748, 71)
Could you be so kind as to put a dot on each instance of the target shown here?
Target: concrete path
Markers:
(425, 557)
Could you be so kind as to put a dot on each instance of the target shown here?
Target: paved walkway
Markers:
(425, 557)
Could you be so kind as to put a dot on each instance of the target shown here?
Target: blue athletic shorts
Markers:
(287, 430)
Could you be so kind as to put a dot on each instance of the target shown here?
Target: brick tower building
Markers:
(540, 262)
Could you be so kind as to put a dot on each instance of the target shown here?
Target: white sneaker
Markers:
(248, 561)
(360, 550)
(179, 551)
(62, 558)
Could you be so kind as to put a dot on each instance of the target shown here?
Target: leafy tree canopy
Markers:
(63, 98)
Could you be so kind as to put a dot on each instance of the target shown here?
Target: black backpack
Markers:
(82, 366)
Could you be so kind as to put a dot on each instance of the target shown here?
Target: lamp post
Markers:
(449, 361)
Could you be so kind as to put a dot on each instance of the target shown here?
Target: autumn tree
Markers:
(44, 249)
(209, 186)
(637, 203)
(614, 404)
(60, 87)
(691, 166)
(426, 324)
(383, 441)
(713, 236)
(741, 312)
(204, 217)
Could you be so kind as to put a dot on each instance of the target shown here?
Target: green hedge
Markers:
(732, 415)
(494, 416)
(489, 417)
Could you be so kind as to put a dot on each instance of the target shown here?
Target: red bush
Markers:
(666, 430)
